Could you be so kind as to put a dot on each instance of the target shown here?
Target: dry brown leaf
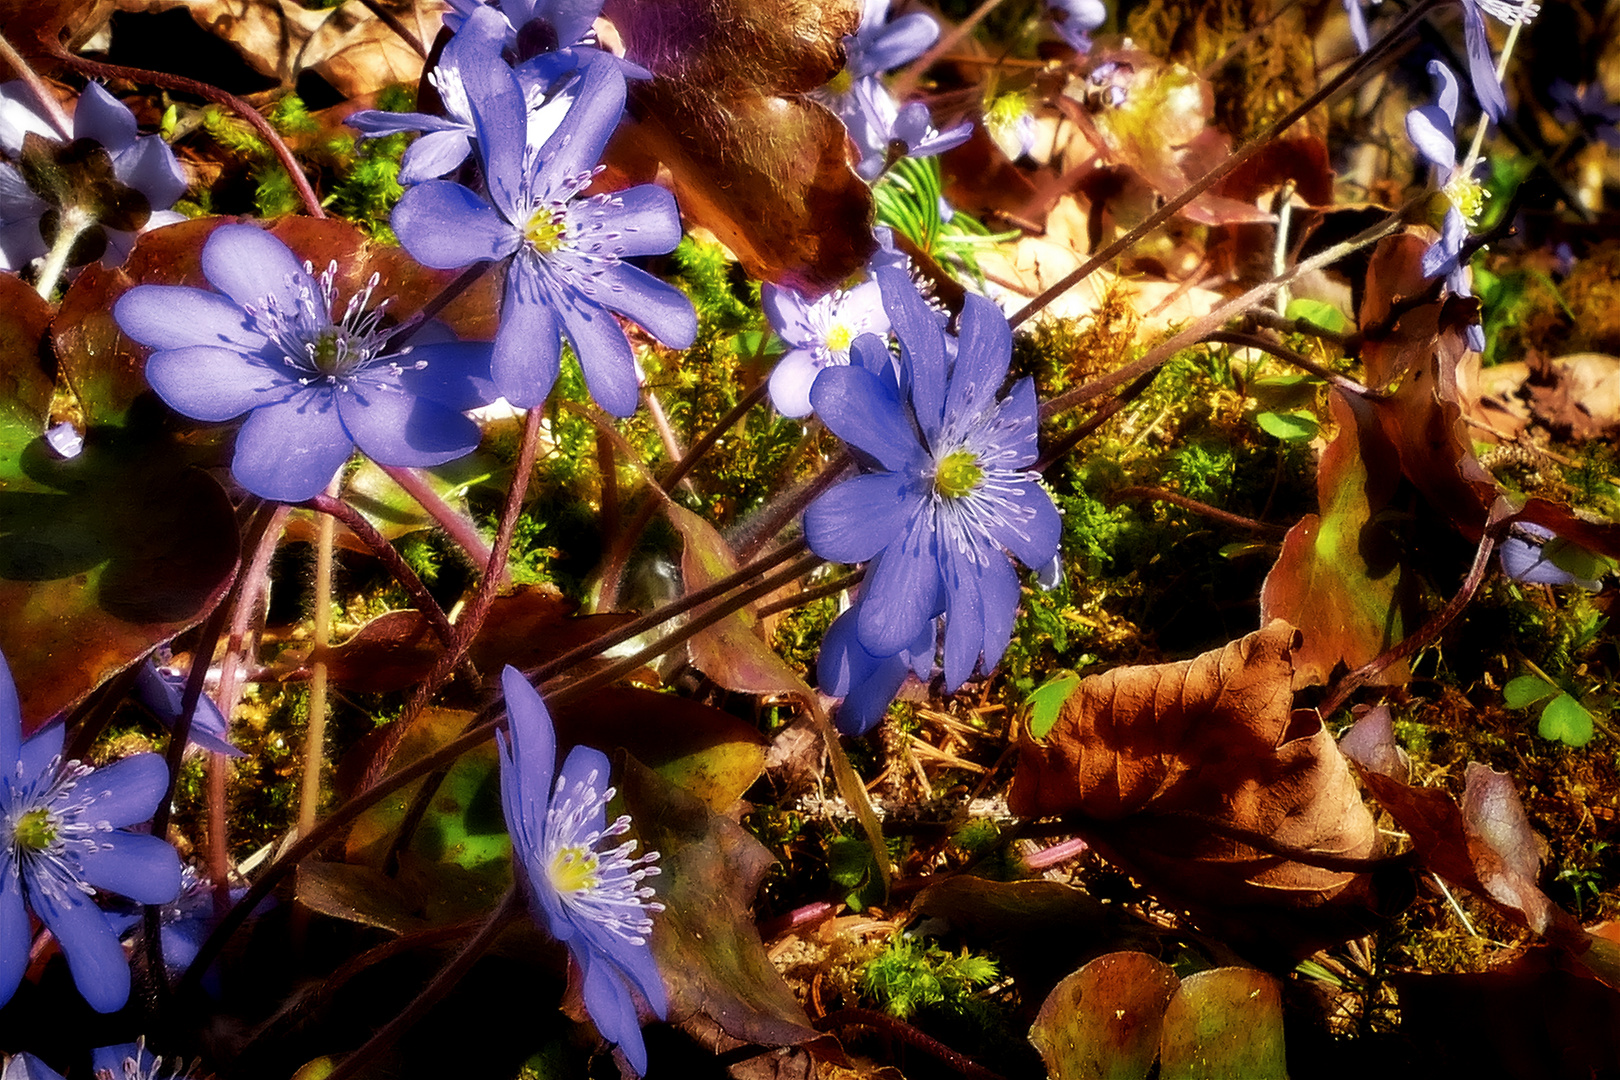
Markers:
(762, 167)
(1169, 764)
(347, 45)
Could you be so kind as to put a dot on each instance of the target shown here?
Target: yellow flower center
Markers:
(325, 353)
(1005, 110)
(36, 831)
(839, 337)
(1468, 196)
(958, 474)
(545, 231)
(573, 869)
(841, 83)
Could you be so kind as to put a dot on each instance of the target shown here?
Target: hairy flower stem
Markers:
(1282, 352)
(255, 580)
(309, 796)
(392, 21)
(482, 732)
(72, 224)
(312, 202)
(899, 1029)
(455, 524)
(443, 299)
(400, 570)
(505, 913)
(1176, 498)
(208, 640)
(472, 618)
(755, 534)
(1352, 72)
(53, 108)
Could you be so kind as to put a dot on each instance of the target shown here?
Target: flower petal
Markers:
(93, 953)
(395, 428)
(290, 451)
(434, 154)
(1434, 137)
(902, 593)
(26, 1066)
(141, 867)
(577, 144)
(530, 748)
(41, 749)
(791, 380)
(102, 117)
(861, 408)
(457, 373)
(922, 346)
(571, 19)
(983, 352)
(446, 226)
(998, 590)
(129, 790)
(900, 42)
(612, 1009)
(1481, 69)
(656, 306)
(648, 220)
(178, 317)
(209, 383)
(964, 615)
(496, 100)
(1035, 539)
(527, 347)
(13, 935)
(604, 353)
(150, 168)
(855, 520)
(250, 266)
(10, 718)
(788, 314)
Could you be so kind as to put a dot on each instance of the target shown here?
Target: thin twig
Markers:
(1429, 630)
(899, 1029)
(1299, 360)
(906, 81)
(456, 525)
(810, 596)
(1351, 72)
(1176, 498)
(55, 113)
(311, 201)
(390, 20)
(1103, 413)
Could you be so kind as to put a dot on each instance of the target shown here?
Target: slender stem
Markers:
(899, 1029)
(789, 505)
(456, 525)
(509, 908)
(389, 557)
(810, 596)
(254, 580)
(484, 729)
(1428, 631)
(1331, 88)
(1104, 413)
(1262, 317)
(309, 797)
(686, 462)
(311, 201)
(1176, 498)
(55, 113)
(390, 20)
(447, 295)
(907, 80)
(472, 618)
(1485, 121)
(1299, 360)
(207, 641)
(1201, 328)
(72, 223)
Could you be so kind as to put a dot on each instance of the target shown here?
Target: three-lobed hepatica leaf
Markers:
(113, 550)
(1121, 1012)
(1339, 575)
(1200, 777)
(750, 157)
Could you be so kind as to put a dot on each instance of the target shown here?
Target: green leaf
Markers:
(1526, 690)
(1225, 1024)
(1104, 1021)
(1046, 701)
(1299, 424)
(1318, 314)
(1570, 557)
(1567, 721)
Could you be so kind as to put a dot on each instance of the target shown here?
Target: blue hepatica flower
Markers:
(311, 370)
(562, 22)
(867, 683)
(1590, 109)
(1074, 20)
(885, 130)
(162, 691)
(820, 333)
(1432, 129)
(1481, 69)
(124, 1061)
(64, 835)
(591, 900)
(879, 45)
(564, 250)
(1525, 557)
(144, 164)
(944, 498)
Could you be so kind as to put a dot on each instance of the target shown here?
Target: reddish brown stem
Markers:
(390, 558)
(1176, 498)
(899, 1029)
(312, 202)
